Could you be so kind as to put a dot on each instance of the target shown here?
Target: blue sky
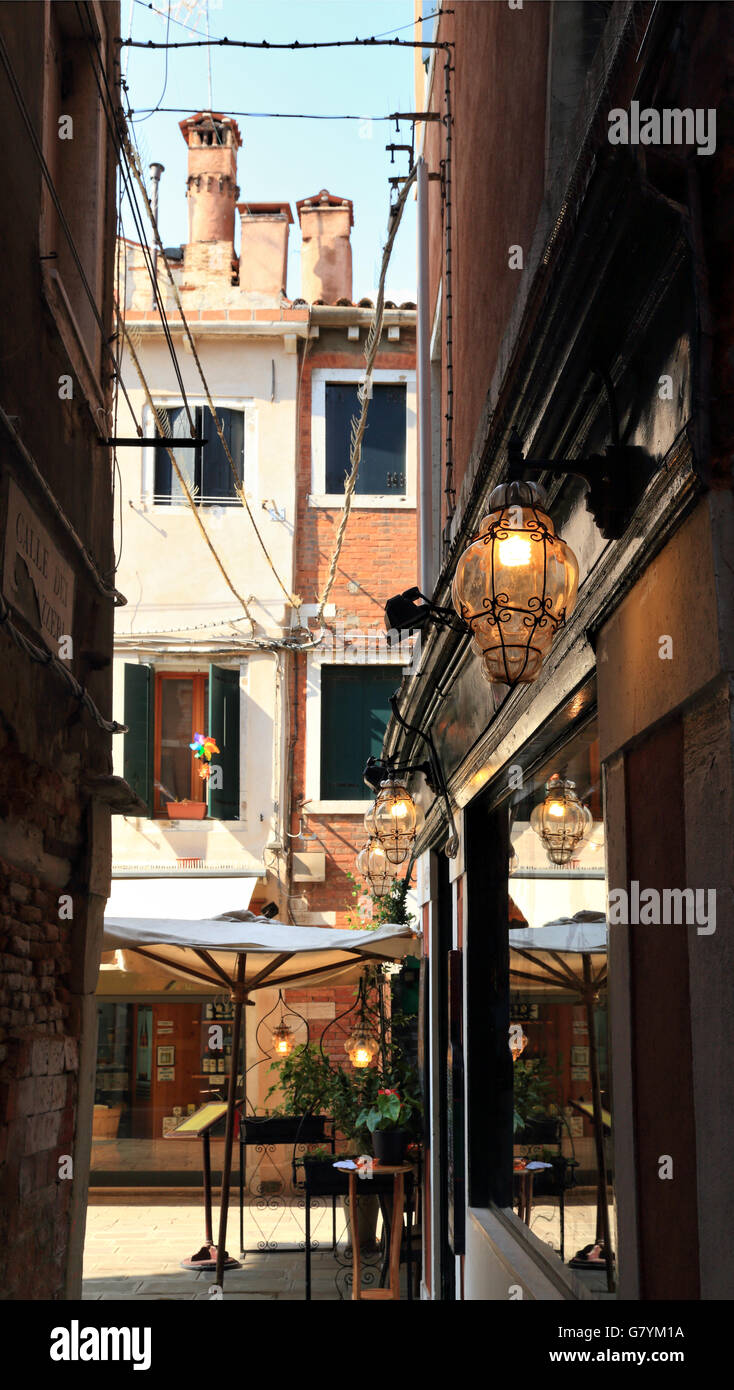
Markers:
(285, 159)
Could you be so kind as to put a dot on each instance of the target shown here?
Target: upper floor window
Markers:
(355, 708)
(387, 470)
(382, 466)
(163, 712)
(206, 468)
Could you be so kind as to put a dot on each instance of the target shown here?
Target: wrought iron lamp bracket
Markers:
(439, 781)
(615, 480)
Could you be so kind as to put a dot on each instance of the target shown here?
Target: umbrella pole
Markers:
(238, 995)
(601, 1165)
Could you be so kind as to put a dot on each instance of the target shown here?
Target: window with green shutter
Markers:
(224, 726)
(355, 709)
(139, 718)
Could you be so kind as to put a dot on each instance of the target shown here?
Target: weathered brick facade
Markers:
(55, 759)
(377, 560)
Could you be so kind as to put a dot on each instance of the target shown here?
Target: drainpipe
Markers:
(423, 355)
(155, 175)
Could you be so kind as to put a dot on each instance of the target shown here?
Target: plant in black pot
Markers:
(388, 1120)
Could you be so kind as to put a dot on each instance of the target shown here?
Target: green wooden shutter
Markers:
(355, 709)
(224, 726)
(139, 717)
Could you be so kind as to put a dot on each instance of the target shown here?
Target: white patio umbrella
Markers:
(241, 952)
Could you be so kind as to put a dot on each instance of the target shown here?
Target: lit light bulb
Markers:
(399, 809)
(515, 550)
(282, 1046)
(361, 1058)
(556, 808)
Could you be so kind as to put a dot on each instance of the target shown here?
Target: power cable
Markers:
(20, 102)
(293, 599)
(165, 72)
(265, 45)
(126, 150)
(364, 393)
(44, 657)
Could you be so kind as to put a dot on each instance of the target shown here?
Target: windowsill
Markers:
(339, 808)
(384, 501)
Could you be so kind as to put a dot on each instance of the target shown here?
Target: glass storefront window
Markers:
(558, 1033)
(155, 1065)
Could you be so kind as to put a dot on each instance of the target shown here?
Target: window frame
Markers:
(315, 661)
(198, 719)
(350, 376)
(249, 465)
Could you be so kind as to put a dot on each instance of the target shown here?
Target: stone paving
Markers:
(135, 1242)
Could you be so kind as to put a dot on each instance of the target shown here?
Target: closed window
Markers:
(355, 708)
(382, 466)
(206, 468)
(163, 711)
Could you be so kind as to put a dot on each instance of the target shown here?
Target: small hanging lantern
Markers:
(361, 1046)
(373, 866)
(396, 819)
(515, 584)
(561, 821)
(283, 1039)
(518, 1040)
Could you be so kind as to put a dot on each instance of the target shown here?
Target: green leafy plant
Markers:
(388, 1111)
(304, 1079)
(532, 1082)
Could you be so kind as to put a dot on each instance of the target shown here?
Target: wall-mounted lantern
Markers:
(372, 864)
(396, 819)
(515, 584)
(561, 821)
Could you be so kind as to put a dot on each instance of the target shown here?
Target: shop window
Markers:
(206, 468)
(163, 711)
(355, 708)
(382, 466)
(549, 1100)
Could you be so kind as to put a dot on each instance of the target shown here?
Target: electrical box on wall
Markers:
(309, 867)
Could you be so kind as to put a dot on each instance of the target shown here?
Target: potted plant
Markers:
(388, 1120)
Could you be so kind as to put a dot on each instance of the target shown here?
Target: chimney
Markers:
(211, 189)
(264, 248)
(326, 254)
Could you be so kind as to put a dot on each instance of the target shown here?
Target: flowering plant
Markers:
(388, 1111)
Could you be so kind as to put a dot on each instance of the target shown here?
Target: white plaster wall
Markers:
(166, 570)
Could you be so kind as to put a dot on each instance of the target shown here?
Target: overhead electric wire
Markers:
(127, 151)
(165, 72)
(20, 102)
(295, 47)
(292, 599)
(44, 657)
(269, 115)
(364, 392)
(82, 11)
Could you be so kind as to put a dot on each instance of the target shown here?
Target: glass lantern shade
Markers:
(518, 1041)
(561, 821)
(361, 1047)
(396, 820)
(369, 821)
(372, 865)
(515, 584)
(282, 1040)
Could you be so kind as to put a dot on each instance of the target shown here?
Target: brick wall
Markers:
(38, 1043)
(378, 559)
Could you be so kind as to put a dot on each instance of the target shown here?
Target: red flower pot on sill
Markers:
(186, 810)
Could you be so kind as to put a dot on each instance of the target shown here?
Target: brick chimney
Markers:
(264, 248)
(326, 254)
(211, 189)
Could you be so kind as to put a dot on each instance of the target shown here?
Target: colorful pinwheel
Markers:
(202, 748)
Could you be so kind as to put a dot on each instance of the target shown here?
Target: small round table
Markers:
(396, 1231)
